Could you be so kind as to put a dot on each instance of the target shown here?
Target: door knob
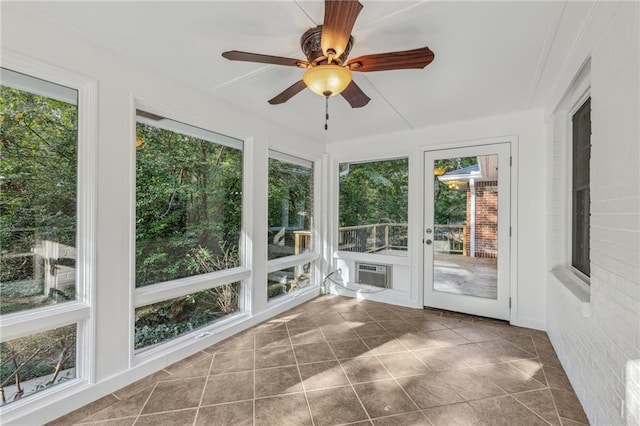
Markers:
(428, 242)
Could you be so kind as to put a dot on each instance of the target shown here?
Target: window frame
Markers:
(167, 290)
(82, 310)
(572, 171)
(397, 259)
(285, 262)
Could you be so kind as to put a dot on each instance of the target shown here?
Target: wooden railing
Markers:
(450, 239)
(387, 236)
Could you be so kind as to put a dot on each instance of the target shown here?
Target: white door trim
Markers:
(512, 144)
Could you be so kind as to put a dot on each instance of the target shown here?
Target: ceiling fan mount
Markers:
(310, 43)
(326, 48)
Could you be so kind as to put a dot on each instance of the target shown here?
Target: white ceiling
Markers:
(490, 57)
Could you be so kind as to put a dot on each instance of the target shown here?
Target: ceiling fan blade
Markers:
(339, 17)
(416, 58)
(355, 96)
(288, 93)
(235, 55)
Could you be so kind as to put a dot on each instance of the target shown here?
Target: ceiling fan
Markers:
(328, 73)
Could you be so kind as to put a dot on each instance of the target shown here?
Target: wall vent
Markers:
(373, 274)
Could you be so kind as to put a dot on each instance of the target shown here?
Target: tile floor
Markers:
(335, 360)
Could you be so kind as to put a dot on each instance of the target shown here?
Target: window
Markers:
(44, 288)
(188, 225)
(373, 207)
(290, 218)
(580, 189)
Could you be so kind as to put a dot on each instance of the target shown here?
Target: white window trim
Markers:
(400, 259)
(285, 262)
(578, 92)
(199, 127)
(81, 311)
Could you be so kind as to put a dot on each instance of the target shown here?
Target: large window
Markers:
(290, 220)
(580, 188)
(374, 206)
(43, 301)
(188, 225)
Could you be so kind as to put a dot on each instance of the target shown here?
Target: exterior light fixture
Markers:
(327, 80)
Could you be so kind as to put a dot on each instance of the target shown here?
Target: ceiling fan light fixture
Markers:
(327, 80)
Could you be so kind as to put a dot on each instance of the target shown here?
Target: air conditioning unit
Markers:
(373, 274)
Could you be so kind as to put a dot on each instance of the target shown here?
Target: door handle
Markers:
(428, 242)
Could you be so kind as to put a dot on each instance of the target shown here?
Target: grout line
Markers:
(213, 356)
(146, 402)
(295, 357)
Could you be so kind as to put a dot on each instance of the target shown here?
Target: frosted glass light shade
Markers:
(327, 80)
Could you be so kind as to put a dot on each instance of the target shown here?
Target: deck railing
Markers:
(387, 236)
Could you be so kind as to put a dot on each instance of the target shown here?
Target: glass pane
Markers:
(286, 280)
(34, 363)
(38, 169)
(465, 234)
(162, 321)
(290, 208)
(373, 207)
(188, 204)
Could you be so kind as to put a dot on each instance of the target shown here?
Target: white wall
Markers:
(527, 130)
(596, 332)
(121, 80)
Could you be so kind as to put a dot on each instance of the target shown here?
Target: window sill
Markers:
(373, 257)
(576, 287)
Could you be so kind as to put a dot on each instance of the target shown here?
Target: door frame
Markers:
(419, 273)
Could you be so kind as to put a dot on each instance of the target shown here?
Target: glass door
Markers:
(466, 230)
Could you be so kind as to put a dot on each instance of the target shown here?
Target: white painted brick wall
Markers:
(601, 352)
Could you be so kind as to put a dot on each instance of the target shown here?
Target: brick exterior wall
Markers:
(486, 220)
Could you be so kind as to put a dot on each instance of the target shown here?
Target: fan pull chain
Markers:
(326, 113)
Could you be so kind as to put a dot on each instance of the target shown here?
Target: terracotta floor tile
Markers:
(313, 352)
(447, 358)
(228, 388)
(365, 369)
(370, 329)
(286, 410)
(379, 345)
(230, 362)
(406, 419)
(338, 331)
(506, 411)
(177, 418)
(541, 403)
(470, 384)
(393, 360)
(175, 395)
(397, 327)
(320, 375)
(335, 406)
(274, 357)
(446, 337)
(303, 336)
(461, 414)
(277, 381)
(476, 334)
(383, 315)
(569, 406)
(402, 364)
(357, 316)
(235, 413)
(428, 390)
(127, 407)
(349, 348)
(509, 378)
(271, 340)
(384, 398)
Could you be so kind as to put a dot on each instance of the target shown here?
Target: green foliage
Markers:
(374, 192)
(188, 194)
